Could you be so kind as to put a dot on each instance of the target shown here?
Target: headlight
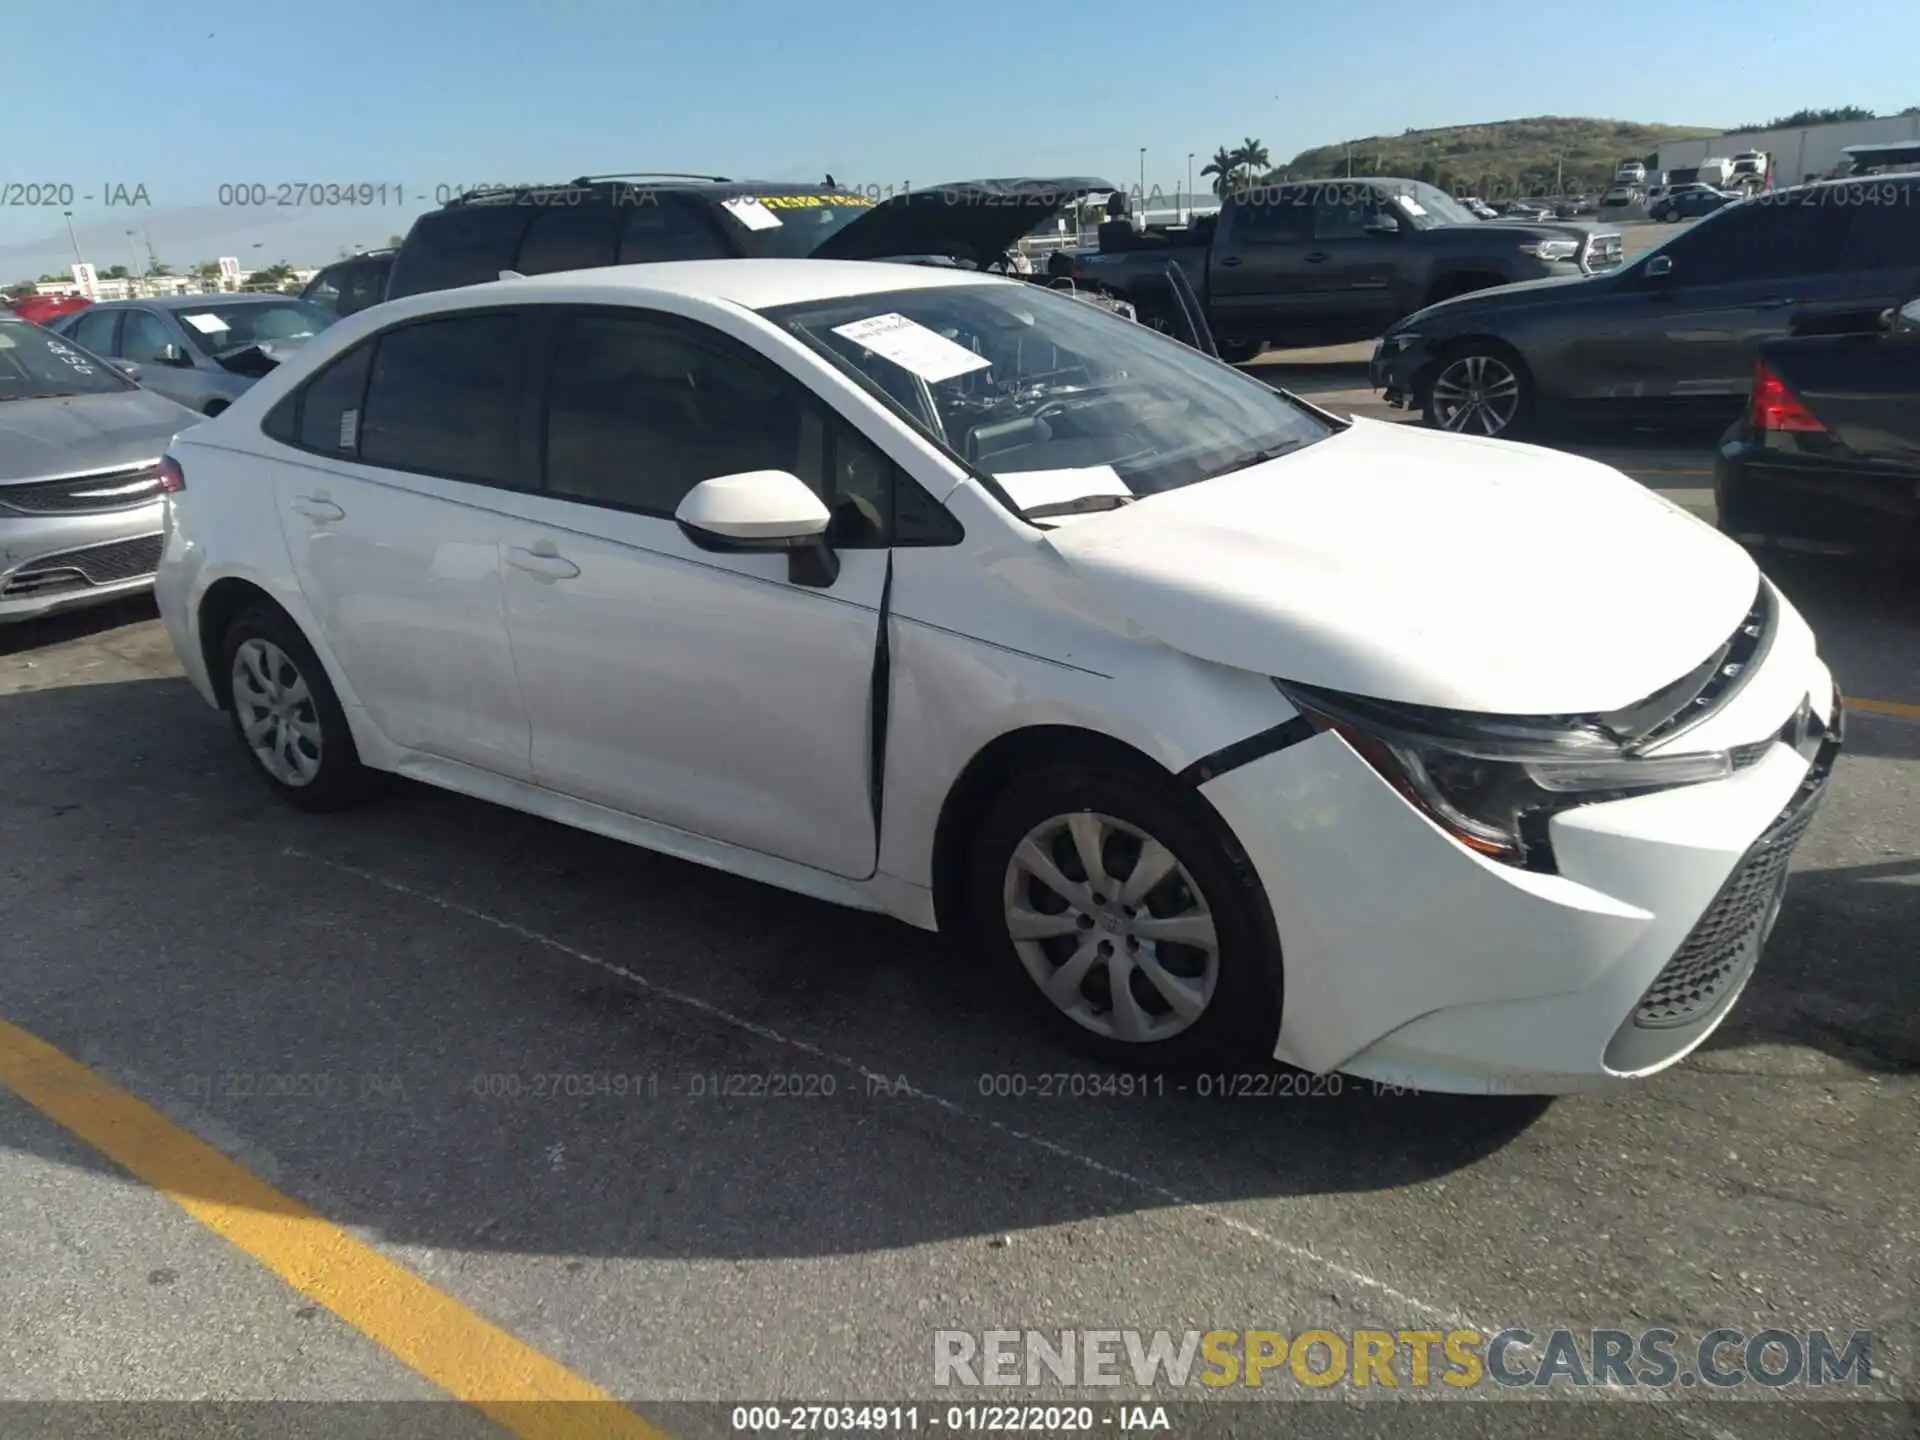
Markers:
(1551, 249)
(1394, 344)
(1493, 781)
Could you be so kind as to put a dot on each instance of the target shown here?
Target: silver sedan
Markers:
(203, 351)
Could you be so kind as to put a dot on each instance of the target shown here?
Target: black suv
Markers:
(1677, 331)
(348, 286)
(628, 219)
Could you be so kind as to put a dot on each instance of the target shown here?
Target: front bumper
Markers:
(1411, 961)
(62, 562)
(1399, 372)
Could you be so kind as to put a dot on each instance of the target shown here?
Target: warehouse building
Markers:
(1804, 153)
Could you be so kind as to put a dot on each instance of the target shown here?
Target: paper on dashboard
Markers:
(913, 347)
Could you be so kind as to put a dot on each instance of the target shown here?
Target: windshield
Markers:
(1067, 406)
(1430, 206)
(219, 327)
(789, 227)
(36, 364)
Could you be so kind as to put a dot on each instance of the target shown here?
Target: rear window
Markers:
(449, 248)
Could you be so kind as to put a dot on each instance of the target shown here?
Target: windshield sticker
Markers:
(1412, 206)
(6, 341)
(1030, 489)
(913, 347)
(750, 212)
(206, 324)
(813, 202)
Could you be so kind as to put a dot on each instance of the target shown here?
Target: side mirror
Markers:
(128, 369)
(763, 511)
(1658, 267)
(172, 355)
(1382, 225)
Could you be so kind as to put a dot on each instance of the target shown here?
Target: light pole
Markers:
(133, 249)
(1143, 181)
(78, 259)
(1189, 214)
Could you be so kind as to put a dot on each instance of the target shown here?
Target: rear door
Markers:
(388, 500)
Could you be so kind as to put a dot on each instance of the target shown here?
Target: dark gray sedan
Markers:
(201, 350)
(80, 475)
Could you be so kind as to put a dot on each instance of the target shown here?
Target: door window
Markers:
(144, 335)
(1760, 240)
(463, 246)
(94, 331)
(641, 410)
(442, 399)
(1274, 219)
(329, 406)
(1342, 212)
(1883, 225)
(363, 285)
(325, 289)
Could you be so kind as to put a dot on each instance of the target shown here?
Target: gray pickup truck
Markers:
(1331, 262)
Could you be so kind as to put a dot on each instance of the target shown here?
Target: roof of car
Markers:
(188, 302)
(752, 284)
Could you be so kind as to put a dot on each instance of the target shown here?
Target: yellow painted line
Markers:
(527, 1393)
(1885, 707)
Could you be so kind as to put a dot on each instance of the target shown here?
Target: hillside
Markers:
(1500, 158)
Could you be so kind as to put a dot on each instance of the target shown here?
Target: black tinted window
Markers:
(443, 399)
(330, 406)
(655, 228)
(1273, 219)
(568, 237)
(460, 247)
(94, 331)
(1761, 240)
(1883, 225)
(363, 285)
(1341, 212)
(640, 411)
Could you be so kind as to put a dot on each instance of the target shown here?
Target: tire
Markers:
(1486, 370)
(305, 752)
(1239, 352)
(1234, 987)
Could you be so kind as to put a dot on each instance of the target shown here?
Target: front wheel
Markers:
(1479, 389)
(1118, 910)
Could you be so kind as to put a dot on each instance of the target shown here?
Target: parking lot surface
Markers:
(432, 1043)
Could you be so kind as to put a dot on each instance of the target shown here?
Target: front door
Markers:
(392, 524)
(1353, 262)
(706, 692)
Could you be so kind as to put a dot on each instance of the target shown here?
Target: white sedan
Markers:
(1215, 724)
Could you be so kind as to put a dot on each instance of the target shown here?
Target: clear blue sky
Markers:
(424, 93)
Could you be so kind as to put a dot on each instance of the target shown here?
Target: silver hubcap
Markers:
(276, 712)
(1111, 927)
(1478, 395)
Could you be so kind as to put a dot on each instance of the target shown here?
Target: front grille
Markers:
(94, 566)
(1725, 945)
(95, 493)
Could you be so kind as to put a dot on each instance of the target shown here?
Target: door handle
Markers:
(1227, 262)
(1315, 258)
(543, 560)
(316, 507)
(1778, 302)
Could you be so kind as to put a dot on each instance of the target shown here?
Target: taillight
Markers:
(172, 478)
(1776, 407)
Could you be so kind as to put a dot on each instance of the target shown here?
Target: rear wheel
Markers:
(1117, 909)
(1239, 352)
(286, 714)
(1480, 389)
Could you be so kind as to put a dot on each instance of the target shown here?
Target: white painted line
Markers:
(892, 1086)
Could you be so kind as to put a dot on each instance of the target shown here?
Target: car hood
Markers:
(977, 220)
(1500, 297)
(86, 432)
(1425, 568)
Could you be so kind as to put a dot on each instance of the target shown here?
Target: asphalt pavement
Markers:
(432, 1098)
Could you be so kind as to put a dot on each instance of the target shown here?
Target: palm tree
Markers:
(1253, 157)
(1224, 168)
